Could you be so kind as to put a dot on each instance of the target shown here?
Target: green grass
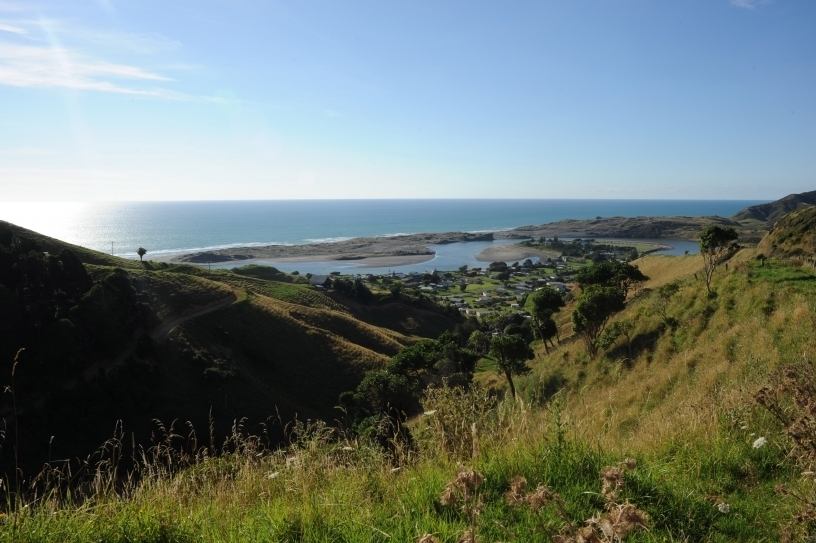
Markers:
(287, 292)
(173, 294)
(802, 278)
(321, 491)
(681, 405)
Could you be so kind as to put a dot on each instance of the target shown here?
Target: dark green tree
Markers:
(546, 328)
(141, 252)
(545, 303)
(395, 289)
(511, 354)
(595, 307)
(382, 390)
(453, 349)
(415, 358)
(621, 275)
(715, 243)
(479, 342)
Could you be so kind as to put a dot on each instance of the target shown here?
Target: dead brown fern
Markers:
(791, 399)
(614, 524)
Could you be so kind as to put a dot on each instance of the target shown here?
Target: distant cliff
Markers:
(628, 227)
(773, 211)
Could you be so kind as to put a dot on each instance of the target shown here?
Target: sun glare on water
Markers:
(62, 220)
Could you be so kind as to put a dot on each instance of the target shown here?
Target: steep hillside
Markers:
(773, 211)
(792, 235)
(662, 269)
(126, 341)
(658, 438)
(688, 359)
(54, 246)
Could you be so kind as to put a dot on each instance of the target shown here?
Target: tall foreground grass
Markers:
(680, 411)
(327, 488)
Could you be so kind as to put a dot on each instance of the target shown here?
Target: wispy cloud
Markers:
(42, 52)
(12, 29)
(44, 66)
(749, 4)
(111, 41)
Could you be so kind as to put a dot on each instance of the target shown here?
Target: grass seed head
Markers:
(517, 493)
(469, 536)
(612, 480)
(587, 535)
(448, 496)
(468, 479)
(427, 538)
(630, 518)
(540, 498)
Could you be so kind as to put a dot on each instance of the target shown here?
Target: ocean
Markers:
(166, 228)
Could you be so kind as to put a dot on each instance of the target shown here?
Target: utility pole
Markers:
(111, 248)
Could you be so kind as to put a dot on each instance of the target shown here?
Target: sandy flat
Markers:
(368, 262)
(511, 253)
(356, 250)
(361, 263)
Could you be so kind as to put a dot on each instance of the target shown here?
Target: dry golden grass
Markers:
(679, 379)
(174, 294)
(341, 325)
(662, 269)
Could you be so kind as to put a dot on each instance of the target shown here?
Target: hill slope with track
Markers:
(108, 339)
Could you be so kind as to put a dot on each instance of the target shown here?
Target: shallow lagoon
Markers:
(448, 256)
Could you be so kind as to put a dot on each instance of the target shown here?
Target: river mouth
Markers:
(447, 257)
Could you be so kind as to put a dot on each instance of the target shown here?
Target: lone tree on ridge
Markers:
(715, 242)
(141, 252)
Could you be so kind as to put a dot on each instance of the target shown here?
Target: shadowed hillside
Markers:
(660, 437)
(792, 235)
(110, 340)
(54, 246)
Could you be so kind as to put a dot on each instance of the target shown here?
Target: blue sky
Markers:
(157, 100)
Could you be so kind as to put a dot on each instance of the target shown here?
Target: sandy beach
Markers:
(512, 253)
(367, 252)
(361, 263)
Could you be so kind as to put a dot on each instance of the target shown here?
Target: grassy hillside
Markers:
(678, 401)
(54, 246)
(712, 355)
(793, 235)
(773, 211)
(142, 341)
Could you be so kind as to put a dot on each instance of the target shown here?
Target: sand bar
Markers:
(362, 250)
(511, 253)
